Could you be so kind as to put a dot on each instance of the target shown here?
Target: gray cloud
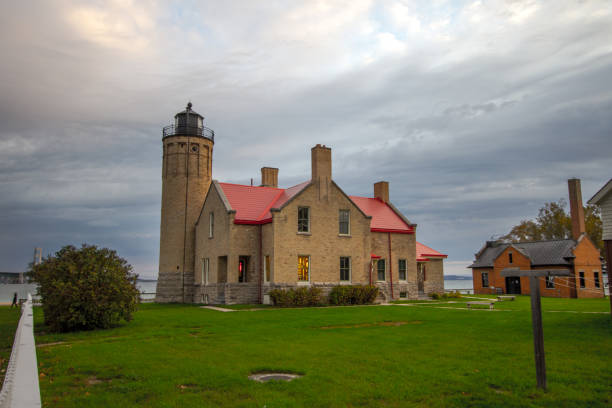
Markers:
(477, 115)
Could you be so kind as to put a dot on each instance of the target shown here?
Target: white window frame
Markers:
(211, 224)
(350, 270)
(549, 282)
(266, 270)
(205, 271)
(298, 220)
(348, 232)
(405, 270)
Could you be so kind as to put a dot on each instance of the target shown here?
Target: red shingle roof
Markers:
(253, 204)
(384, 219)
(424, 252)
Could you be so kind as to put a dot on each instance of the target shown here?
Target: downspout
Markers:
(370, 271)
(390, 265)
(260, 263)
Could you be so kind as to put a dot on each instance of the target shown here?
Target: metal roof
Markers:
(552, 252)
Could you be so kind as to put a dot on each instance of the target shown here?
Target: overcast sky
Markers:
(476, 112)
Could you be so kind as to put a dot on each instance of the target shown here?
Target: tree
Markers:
(553, 222)
(85, 288)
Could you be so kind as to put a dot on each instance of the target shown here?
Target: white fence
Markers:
(21, 389)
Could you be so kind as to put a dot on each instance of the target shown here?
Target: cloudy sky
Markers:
(476, 112)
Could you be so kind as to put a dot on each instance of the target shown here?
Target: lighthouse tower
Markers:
(186, 176)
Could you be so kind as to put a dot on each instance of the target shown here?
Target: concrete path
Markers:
(218, 309)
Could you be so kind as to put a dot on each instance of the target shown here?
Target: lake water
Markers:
(7, 290)
(457, 284)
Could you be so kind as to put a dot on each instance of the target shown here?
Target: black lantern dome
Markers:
(189, 123)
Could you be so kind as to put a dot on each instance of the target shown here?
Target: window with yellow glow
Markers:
(303, 268)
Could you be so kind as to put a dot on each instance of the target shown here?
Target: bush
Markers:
(444, 296)
(301, 296)
(353, 295)
(86, 288)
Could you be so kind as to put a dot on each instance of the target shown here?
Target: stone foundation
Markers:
(248, 293)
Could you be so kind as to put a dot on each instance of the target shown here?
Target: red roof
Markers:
(424, 252)
(253, 204)
(384, 219)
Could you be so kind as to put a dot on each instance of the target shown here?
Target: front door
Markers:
(513, 285)
(421, 278)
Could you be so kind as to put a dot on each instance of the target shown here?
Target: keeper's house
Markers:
(309, 234)
(578, 255)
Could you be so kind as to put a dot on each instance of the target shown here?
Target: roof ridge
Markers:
(246, 185)
(265, 211)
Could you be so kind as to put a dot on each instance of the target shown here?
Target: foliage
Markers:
(301, 296)
(353, 295)
(446, 295)
(553, 222)
(86, 288)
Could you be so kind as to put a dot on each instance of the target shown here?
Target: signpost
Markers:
(536, 313)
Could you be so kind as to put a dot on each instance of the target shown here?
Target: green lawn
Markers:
(8, 324)
(371, 356)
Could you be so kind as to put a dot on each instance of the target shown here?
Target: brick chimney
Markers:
(322, 169)
(269, 177)
(381, 191)
(576, 209)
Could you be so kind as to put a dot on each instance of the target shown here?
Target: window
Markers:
(596, 276)
(402, 269)
(582, 279)
(303, 268)
(380, 267)
(211, 224)
(344, 222)
(485, 279)
(403, 294)
(345, 268)
(267, 268)
(550, 282)
(509, 257)
(205, 268)
(243, 262)
(303, 219)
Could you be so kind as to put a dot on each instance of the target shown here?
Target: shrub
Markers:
(352, 295)
(444, 296)
(301, 296)
(86, 288)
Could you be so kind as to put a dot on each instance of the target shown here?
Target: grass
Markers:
(9, 317)
(379, 356)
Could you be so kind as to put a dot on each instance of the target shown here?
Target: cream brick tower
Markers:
(186, 177)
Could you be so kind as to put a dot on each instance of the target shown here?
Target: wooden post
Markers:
(538, 332)
(536, 314)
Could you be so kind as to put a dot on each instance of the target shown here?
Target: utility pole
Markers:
(536, 314)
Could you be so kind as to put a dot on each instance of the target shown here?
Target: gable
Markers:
(214, 191)
(585, 249)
